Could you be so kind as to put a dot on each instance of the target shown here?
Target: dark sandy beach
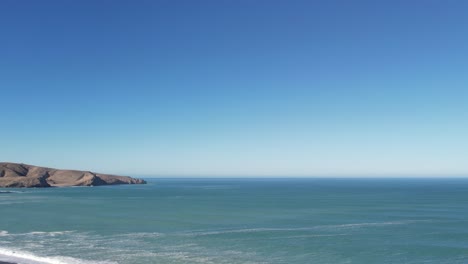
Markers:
(3, 262)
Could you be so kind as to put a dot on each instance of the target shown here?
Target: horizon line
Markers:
(451, 176)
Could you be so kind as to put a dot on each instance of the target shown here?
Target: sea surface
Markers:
(239, 221)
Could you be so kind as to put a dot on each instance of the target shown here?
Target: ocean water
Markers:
(239, 221)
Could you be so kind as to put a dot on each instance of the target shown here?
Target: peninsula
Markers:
(18, 175)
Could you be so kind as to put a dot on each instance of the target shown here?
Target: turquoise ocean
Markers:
(239, 221)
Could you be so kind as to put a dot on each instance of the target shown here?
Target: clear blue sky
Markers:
(236, 88)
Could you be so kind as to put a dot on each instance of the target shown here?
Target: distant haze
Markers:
(236, 88)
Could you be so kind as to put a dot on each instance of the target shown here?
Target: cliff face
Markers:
(17, 175)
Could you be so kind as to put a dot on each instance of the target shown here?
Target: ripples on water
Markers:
(240, 221)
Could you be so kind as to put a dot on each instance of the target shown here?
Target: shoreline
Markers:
(14, 257)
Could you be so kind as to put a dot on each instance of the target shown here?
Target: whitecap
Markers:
(141, 235)
(54, 233)
(24, 257)
(311, 228)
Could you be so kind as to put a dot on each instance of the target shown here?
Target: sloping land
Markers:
(16, 175)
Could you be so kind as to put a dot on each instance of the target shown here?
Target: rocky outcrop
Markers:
(17, 175)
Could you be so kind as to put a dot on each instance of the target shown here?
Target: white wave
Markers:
(23, 257)
(35, 233)
(55, 233)
(39, 247)
(371, 224)
(141, 235)
(319, 227)
(11, 202)
(294, 237)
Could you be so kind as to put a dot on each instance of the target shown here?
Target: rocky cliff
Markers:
(17, 175)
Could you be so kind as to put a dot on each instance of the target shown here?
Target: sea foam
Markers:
(24, 257)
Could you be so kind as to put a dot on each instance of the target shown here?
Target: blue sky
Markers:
(236, 88)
